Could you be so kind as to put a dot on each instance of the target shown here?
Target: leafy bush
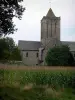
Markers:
(59, 56)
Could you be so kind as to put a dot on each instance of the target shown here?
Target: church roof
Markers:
(29, 45)
(70, 44)
(50, 13)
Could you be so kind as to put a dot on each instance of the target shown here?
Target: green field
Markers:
(37, 84)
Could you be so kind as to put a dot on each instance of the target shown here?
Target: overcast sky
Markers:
(29, 27)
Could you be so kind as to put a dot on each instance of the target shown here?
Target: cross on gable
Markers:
(50, 3)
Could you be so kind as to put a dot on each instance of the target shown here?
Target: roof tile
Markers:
(29, 45)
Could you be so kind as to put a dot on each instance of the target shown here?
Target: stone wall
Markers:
(50, 28)
(31, 59)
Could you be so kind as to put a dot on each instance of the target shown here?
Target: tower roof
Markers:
(50, 13)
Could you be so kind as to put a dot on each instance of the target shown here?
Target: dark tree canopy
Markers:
(59, 56)
(8, 50)
(8, 10)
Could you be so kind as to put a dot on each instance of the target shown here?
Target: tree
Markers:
(59, 56)
(8, 10)
(3, 48)
(16, 55)
(8, 50)
(11, 44)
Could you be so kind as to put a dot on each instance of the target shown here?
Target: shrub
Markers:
(59, 56)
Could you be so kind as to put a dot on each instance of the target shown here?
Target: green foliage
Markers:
(2, 46)
(55, 79)
(1, 76)
(13, 93)
(59, 56)
(47, 85)
(16, 54)
(8, 50)
(8, 10)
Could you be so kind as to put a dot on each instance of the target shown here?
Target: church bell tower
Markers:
(50, 28)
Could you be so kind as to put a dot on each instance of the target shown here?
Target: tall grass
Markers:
(53, 78)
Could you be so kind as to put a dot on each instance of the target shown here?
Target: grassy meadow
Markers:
(37, 83)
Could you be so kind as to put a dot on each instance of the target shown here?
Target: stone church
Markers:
(34, 52)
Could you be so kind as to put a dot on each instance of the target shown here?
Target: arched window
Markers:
(47, 29)
(37, 54)
(26, 54)
(55, 44)
(51, 28)
(55, 26)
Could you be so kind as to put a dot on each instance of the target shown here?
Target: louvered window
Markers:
(26, 54)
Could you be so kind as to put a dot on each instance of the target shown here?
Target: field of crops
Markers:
(37, 81)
